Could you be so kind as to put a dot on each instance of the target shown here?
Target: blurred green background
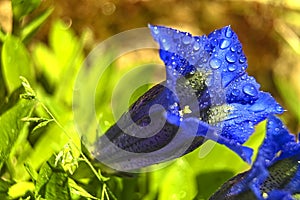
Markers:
(268, 30)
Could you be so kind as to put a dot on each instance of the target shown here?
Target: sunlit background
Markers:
(268, 30)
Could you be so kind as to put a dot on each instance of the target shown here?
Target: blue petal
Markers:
(240, 123)
(279, 195)
(221, 59)
(226, 48)
(276, 166)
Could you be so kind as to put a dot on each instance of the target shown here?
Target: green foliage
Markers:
(15, 62)
(11, 126)
(41, 155)
(52, 181)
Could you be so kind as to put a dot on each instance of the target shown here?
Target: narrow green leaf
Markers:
(29, 30)
(33, 174)
(29, 92)
(41, 122)
(23, 7)
(11, 125)
(76, 189)
(15, 63)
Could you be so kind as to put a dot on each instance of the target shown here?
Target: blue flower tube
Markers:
(206, 95)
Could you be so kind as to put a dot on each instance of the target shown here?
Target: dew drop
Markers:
(165, 44)
(196, 46)
(233, 48)
(155, 30)
(250, 90)
(242, 59)
(243, 77)
(230, 57)
(232, 68)
(192, 60)
(228, 32)
(224, 43)
(279, 109)
(186, 39)
(235, 92)
(215, 63)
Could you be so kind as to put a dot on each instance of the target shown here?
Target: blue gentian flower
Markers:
(275, 175)
(207, 95)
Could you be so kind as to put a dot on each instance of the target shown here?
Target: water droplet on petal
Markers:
(233, 48)
(232, 68)
(231, 57)
(192, 60)
(279, 109)
(224, 43)
(215, 63)
(196, 46)
(235, 92)
(186, 39)
(244, 77)
(250, 90)
(165, 44)
(228, 32)
(242, 59)
(155, 30)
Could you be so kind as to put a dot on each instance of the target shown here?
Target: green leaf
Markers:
(23, 7)
(76, 189)
(29, 92)
(33, 174)
(12, 100)
(52, 182)
(179, 182)
(41, 122)
(210, 181)
(11, 126)
(29, 30)
(15, 62)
